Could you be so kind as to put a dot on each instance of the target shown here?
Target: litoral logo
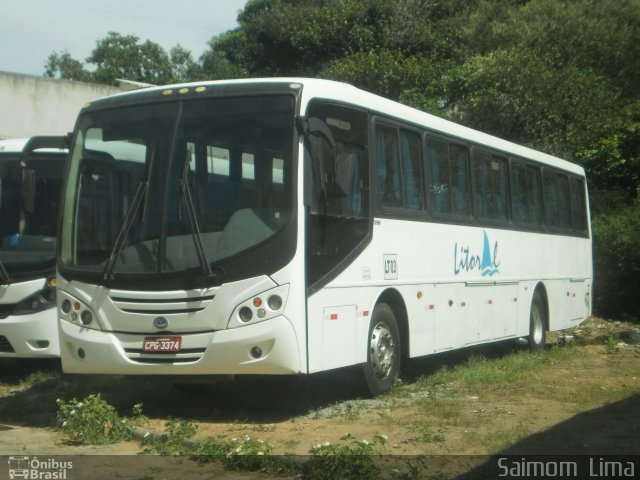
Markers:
(26, 467)
(160, 323)
(466, 261)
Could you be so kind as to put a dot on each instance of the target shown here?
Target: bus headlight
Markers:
(275, 302)
(260, 307)
(74, 311)
(245, 314)
(66, 306)
(86, 317)
(36, 302)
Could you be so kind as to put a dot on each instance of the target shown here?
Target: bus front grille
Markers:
(153, 304)
(187, 355)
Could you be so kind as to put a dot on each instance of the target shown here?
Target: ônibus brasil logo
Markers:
(34, 468)
(466, 260)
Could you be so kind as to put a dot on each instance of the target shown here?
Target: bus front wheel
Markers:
(537, 324)
(383, 351)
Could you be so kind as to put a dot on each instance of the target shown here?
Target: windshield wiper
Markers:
(5, 278)
(123, 234)
(193, 221)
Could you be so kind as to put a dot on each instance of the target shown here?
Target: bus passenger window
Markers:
(460, 189)
(534, 195)
(490, 186)
(411, 169)
(551, 199)
(565, 205)
(578, 210)
(389, 174)
(438, 157)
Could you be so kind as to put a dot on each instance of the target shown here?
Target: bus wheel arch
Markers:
(395, 301)
(385, 340)
(538, 319)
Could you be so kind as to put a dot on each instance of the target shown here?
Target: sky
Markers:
(30, 30)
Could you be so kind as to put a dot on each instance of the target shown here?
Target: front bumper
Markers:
(30, 336)
(232, 351)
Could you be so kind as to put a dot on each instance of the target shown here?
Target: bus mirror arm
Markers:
(309, 126)
(314, 126)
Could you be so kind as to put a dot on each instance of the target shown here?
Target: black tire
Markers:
(383, 351)
(537, 324)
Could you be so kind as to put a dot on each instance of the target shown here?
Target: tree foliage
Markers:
(560, 76)
(125, 57)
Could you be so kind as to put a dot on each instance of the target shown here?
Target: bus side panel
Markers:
(449, 302)
(338, 324)
(495, 309)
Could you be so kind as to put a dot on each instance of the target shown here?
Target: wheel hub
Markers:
(382, 351)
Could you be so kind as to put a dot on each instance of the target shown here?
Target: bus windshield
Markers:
(29, 196)
(177, 186)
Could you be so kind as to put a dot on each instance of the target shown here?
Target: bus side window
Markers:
(481, 184)
(349, 183)
(499, 188)
(490, 182)
(578, 201)
(411, 169)
(565, 205)
(439, 181)
(534, 195)
(551, 199)
(399, 162)
(519, 197)
(389, 174)
(460, 187)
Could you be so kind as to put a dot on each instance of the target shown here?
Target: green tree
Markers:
(62, 65)
(561, 76)
(596, 35)
(518, 95)
(126, 57)
(306, 37)
(183, 67)
(224, 58)
(616, 242)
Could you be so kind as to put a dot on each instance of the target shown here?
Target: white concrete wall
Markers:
(31, 105)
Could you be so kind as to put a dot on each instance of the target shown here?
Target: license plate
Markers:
(162, 344)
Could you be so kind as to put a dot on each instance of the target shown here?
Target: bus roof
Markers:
(313, 88)
(13, 145)
(17, 145)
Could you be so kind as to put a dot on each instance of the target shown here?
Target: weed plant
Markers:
(93, 421)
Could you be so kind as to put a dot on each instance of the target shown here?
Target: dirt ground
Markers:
(566, 410)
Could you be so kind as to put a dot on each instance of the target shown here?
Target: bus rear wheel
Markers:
(383, 351)
(537, 324)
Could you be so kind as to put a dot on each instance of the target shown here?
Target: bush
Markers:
(351, 459)
(616, 245)
(93, 421)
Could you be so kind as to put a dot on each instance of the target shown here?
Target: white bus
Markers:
(31, 173)
(286, 226)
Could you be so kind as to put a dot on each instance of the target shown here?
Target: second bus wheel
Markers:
(383, 351)
(537, 324)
